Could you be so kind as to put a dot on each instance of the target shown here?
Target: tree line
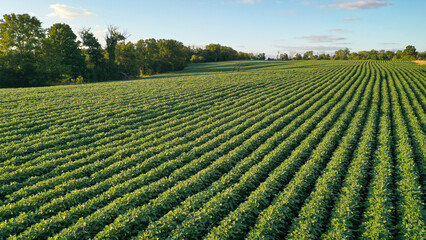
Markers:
(408, 54)
(33, 56)
(216, 52)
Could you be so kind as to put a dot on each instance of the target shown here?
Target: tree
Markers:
(93, 48)
(126, 58)
(398, 55)
(389, 55)
(363, 55)
(112, 38)
(382, 55)
(212, 53)
(373, 54)
(243, 56)
(298, 56)
(216, 52)
(354, 56)
(422, 55)
(61, 53)
(309, 55)
(227, 54)
(173, 53)
(20, 43)
(324, 56)
(96, 69)
(156, 56)
(409, 53)
(196, 59)
(20, 34)
(147, 53)
(284, 57)
(342, 54)
(260, 56)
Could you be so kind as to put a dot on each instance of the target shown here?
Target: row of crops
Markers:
(277, 150)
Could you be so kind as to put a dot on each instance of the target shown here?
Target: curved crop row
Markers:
(416, 123)
(32, 145)
(271, 151)
(312, 217)
(143, 146)
(155, 139)
(347, 208)
(132, 172)
(116, 188)
(279, 150)
(274, 220)
(377, 221)
(212, 212)
(139, 217)
(10, 176)
(411, 222)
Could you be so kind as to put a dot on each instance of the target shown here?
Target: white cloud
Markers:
(67, 12)
(359, 5)
(322, 38)
(249, 1)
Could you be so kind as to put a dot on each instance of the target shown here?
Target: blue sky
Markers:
(246, 25)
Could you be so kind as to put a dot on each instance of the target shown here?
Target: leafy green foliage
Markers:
(61, 54)
(21, 39)
(30, 57)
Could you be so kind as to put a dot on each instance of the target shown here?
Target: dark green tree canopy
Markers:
(309, 55)
(21, 39)
(284, 57)
(20, 33)
(92, 47)
(127, 59)
(161, 55)
(61, 52)
(298, 56)
(61, 37)
(112, 38)
(33, 56)
(216, 52)
(409, 53)
(342, 54)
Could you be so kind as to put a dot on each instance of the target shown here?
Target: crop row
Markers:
(312, 217)
(85, 194)
(160, 136)
(291, 150)
(275, 219)
(127, 185)
(112, 121)
(105, 112)
(408, 189)
(159, 206)
(135, 143)
(348, 205)
(285, 139)
(165, 183)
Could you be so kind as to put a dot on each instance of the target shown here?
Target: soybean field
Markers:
(231, 150)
